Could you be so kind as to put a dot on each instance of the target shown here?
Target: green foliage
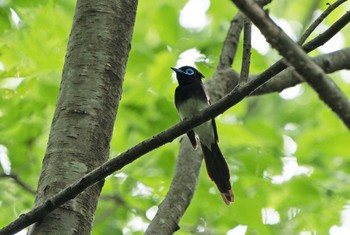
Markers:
(252, 134)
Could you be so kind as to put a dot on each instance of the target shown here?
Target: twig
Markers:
(309, 13)
(294, 54)
(310, 46)
(247, 46)
(230, 45)
(331, 62)
(18, 181)
(319, 19)
(330, 32)
(228, 76)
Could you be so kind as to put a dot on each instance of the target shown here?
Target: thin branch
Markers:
(335, 61)
(327, 90)
(230, 45)
(247, 46)
(321, 39)
(229, 77)
(319, 19)
(18, 181)
(329, 33)
(309, 12)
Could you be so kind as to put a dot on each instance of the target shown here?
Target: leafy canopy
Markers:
(289, 157)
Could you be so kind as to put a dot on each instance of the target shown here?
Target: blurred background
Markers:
(289, 154)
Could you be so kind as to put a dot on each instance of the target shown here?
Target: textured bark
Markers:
(82, 126)
(178, 197)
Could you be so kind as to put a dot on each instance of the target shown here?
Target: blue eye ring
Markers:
(189, 72)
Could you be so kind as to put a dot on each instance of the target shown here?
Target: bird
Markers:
(190, 98)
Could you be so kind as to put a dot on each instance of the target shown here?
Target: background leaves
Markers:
(251, 133)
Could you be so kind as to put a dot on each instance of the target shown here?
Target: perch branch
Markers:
(127, 157)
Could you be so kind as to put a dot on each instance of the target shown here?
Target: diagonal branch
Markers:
(329, 33)
(319, 19)
(327, 90)
(334, 61)
(226, 77)
(230, 45)
(321, 39)
(20, 182)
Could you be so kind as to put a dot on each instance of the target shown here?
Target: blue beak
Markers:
(177, 70)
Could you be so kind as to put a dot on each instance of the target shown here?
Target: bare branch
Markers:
(18, 181)
(228, 77)
(294, 54)
(329, 33)
(313, 44)
(330, 63)
(313, 26)
(229, 48)
(247, 46)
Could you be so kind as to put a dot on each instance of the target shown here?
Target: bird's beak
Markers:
(177, 70)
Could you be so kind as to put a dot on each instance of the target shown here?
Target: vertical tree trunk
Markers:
(82, 126)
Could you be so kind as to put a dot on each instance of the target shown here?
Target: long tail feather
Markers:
(218, 171)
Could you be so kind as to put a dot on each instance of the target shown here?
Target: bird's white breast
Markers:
(191, 107)
(204, 131)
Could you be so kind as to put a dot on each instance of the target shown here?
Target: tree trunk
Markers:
(82, 126)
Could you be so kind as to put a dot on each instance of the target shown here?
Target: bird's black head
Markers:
(187, 74)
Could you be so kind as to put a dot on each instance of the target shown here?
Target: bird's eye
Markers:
(189, 71)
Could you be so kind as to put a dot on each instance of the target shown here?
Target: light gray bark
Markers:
(83, 122)
(178, 197)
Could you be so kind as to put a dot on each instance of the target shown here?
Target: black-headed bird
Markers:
(190, 98)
